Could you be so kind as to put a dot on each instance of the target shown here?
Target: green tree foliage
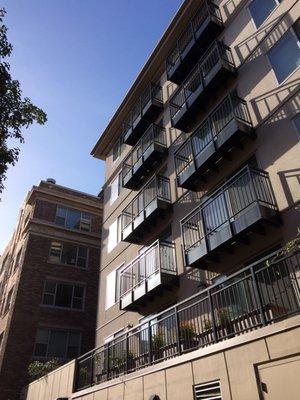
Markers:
(16, 113)
(37, 369)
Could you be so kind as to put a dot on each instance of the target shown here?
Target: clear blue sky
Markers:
(76, 59)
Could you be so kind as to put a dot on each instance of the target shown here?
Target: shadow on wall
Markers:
(290, 179)
(263, 39)
(266, 105)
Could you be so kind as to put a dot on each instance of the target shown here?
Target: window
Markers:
(207, 391)
(115, 188)
(68, 254)
(297, 124)
(57, 344)
(73, 219)
(261, 9)
(17, 262)
(8, 300)
(114, 234)
(284, 56)
(117, 149)
(113, 287)
(63, 295)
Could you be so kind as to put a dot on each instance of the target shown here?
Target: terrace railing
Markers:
(140, 208)
(155, 135)
(260, 294)
(152, 94)
(232, 107)
(192, 33)
(224, 208)
(139, 277)
(197, 78)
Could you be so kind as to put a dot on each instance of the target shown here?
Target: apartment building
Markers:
(49, 282)
(199, 283)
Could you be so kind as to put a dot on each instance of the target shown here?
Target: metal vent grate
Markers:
(208, 391)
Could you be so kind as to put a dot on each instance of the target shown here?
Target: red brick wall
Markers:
(28, 314)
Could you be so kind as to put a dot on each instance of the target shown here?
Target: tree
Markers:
(16, 113)
(38, 369)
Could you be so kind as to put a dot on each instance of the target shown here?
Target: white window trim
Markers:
(116, 298)
(118, 238)
(55, 293)
(81, 219)
(77, 251)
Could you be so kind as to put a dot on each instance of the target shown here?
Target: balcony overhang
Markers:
(232, 136)
(144, 222)
(200, 40)
(218, 75)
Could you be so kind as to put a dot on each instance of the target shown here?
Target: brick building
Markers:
(49, 282)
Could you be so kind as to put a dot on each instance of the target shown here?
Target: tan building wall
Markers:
(272, 108)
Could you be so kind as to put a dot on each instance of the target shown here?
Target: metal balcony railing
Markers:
(203, 74)
(155, 196)
(243, 200)
(207, 137)
(198, 30)
(152, 97)
(154, 267)
(258, 295)
(153, 142)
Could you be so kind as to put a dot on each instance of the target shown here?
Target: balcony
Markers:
(212, 71)
(147, 275)
(140, 216)
(225, 128)
(239, 207)
(205, 27)
(144, 112)
(259, 295)
(148, 152)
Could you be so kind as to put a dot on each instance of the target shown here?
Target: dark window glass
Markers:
(69, 254)
(64, 295)
(82, 257)
(61, 215)
(55, 251)
(261, 9)
(57, 344)
(297, 123)
(73, 345)
(285, 56)
(73, 219)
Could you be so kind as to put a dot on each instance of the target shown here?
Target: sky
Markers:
(75, 59)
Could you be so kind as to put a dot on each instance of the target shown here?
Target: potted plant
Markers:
(188, 336)
(224, 321)
(158, 344)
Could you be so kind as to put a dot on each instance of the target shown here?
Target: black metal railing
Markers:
(218, 52)
(153, 92)
(206, 9)
(154, 135)
(232, 107)
(158, 188)
(159, 258)
(228, 203)
(257, 295)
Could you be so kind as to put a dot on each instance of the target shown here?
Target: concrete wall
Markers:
(241, 364)
(58, 383)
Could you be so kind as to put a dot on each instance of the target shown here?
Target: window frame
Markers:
(118, 222)
(49, 332)
(53, 305)
(290, 29)
(81, 219)
(117, 178)
(8, 300)
(60, 262)
(268, 16)
(295, 125)
(119, 268)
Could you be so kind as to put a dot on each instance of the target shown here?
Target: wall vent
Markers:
(208, 391)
